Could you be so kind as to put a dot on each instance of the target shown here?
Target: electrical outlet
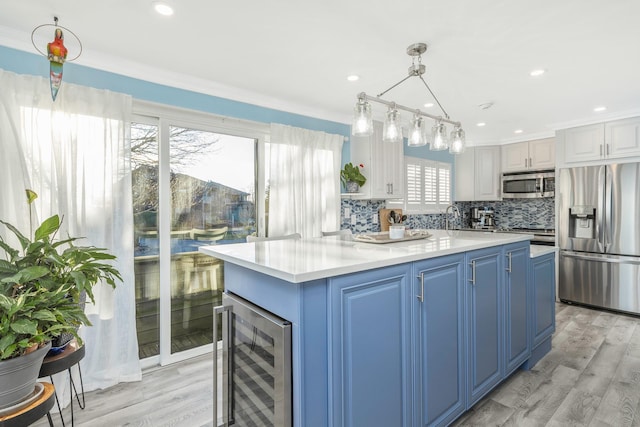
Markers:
(374, 218)
(353, 219)
(347, 212)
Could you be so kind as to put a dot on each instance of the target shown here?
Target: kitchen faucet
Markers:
(456, 215)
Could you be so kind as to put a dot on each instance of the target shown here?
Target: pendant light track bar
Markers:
(364, 96)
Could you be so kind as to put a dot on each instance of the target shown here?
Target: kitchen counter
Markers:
(303, 260)
(539, 250)
(377, 327)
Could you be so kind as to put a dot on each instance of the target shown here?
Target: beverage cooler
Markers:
(256, 365)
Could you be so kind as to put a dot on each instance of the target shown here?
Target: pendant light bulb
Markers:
(417, 135)
(439, 137)
(392, 131)
(458, 143)
(362, 120)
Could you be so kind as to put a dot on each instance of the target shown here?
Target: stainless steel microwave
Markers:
(528, 185)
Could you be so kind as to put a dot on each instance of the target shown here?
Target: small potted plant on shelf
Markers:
(41, 283)
(352, 178)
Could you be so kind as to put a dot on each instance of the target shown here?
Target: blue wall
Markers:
(21, 62)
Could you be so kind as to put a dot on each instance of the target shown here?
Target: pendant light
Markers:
(417, 135)
(391, 130)
(362, 120)
(457, 143)
(363, 124)
(439, 137)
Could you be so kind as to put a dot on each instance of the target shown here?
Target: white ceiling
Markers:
(296, 55)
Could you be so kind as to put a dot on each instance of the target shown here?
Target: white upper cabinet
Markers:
(619, 139)
(583, 143)
(477, 174)
(622, 138)
(383, 165)
(529, 155)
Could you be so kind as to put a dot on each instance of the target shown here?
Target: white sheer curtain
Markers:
(304, 181)
(74, 153)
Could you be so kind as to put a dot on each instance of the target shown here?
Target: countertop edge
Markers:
(540, 250)
(403, 255)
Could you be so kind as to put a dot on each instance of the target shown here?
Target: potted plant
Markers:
(41, 282)
(352, 178)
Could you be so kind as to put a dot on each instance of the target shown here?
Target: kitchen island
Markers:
(401, 334)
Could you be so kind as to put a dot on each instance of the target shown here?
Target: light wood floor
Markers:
(590, 378)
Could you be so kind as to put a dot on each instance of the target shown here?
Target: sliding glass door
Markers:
(192, 186)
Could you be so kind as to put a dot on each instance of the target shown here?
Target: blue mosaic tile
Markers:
(511, 213)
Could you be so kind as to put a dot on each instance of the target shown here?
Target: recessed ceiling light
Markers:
(162, 8)
(517, 131)
(480, 124)
(353, 78)
(599, 109)
(538, 72)
(428, 104)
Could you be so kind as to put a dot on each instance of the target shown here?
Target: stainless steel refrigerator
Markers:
(599, 236)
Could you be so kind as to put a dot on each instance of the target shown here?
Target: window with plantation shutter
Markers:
(428, 186)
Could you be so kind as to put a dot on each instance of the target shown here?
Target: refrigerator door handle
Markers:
(602, 258)
(608, 201)
(600, 217)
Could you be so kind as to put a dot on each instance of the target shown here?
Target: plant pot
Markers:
(18, 376)
(352, 187)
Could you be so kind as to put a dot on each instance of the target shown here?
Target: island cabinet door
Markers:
(544, 296)
(484, 321)
(439, 335)
(370, 348)
(516, 305)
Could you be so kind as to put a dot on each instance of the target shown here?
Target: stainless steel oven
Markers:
(256, 365)
(528, 185)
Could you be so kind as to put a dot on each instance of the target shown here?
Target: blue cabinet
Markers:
(543, 306)
(517, 346)
(414, 344)
(439, 334)
(370, 348)
(484, 322)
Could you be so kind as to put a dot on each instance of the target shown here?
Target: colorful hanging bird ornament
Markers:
(56, 54)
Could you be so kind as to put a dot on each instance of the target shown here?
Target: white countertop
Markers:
(539, 250)
(318, 258)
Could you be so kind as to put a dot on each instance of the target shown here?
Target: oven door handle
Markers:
(225, 310)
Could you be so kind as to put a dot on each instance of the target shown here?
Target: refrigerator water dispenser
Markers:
(582, 222)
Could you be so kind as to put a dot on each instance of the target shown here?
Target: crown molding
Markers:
(18, 40)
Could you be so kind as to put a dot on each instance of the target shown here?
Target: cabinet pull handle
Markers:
(530, 162)
(473, 272)
(607, 149)
(509, 265)
(421, 296)
(391, 186)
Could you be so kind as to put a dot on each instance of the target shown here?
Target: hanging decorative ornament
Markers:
(56, 54)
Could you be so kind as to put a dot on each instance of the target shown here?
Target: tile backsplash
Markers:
(516, 213)
(510, 213)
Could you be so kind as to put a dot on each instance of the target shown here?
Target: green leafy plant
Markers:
(41, 283)
(352, 173)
